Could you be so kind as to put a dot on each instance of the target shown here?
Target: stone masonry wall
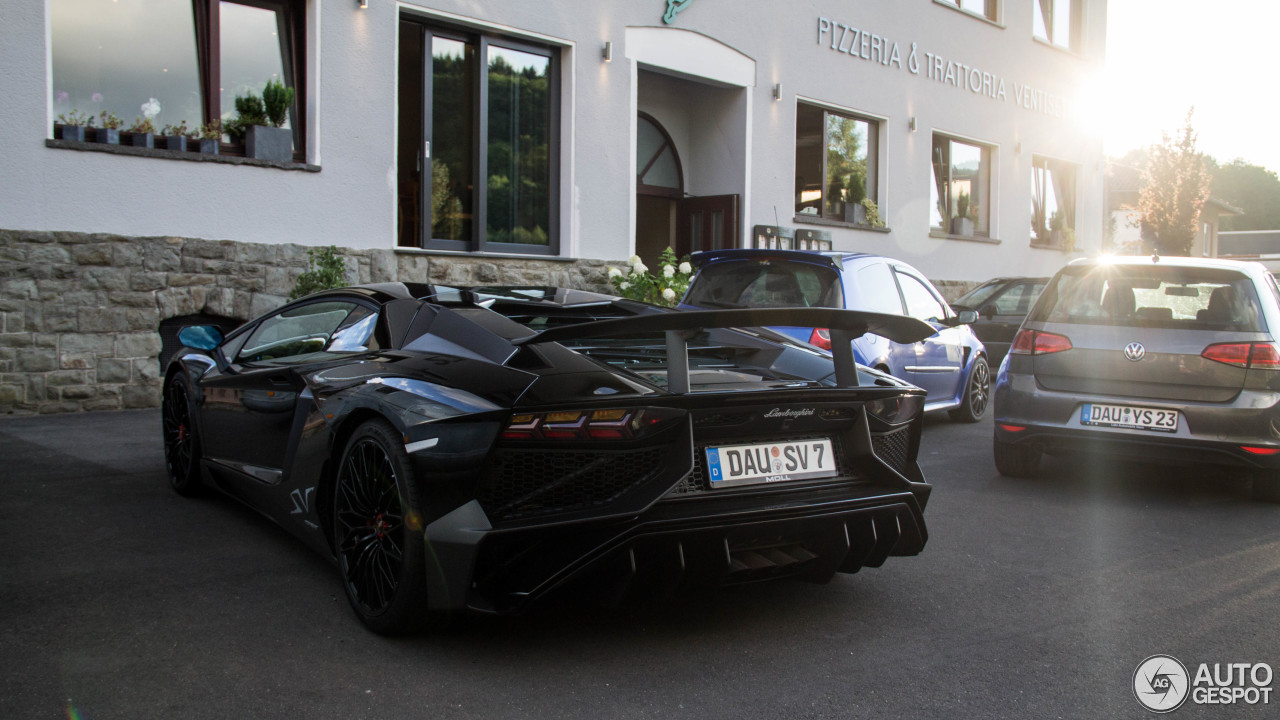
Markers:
(79, 312)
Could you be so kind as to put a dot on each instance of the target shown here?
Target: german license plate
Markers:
(732, 465)
(1127, 416)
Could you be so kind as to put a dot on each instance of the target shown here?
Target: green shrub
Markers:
(325, 271)
(277, 98)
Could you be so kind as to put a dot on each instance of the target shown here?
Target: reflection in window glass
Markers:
(835, 164)
(1053, 202)
(452, 179)
(986, 8)
(519, 184)
(118, 56)
(960, 191)
(663, 170)
(921, 304)
(251, 53)
(1055, 21)
(878, 289)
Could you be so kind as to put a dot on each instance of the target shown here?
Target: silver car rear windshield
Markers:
(1154, 296)
(765, 283)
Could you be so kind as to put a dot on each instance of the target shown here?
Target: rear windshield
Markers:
(1151, 296)
(765, 284)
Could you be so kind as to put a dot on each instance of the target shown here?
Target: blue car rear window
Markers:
(765, 283)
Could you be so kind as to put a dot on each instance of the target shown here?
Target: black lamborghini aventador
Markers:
(478, 448)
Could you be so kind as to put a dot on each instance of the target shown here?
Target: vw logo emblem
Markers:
(1134, 351)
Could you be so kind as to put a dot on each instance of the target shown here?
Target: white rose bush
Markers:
(636, 283)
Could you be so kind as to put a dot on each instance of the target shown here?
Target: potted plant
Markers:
(71, 126)
(258, 123)
(962, 224)
(109, 130)
(208, 137)
(871, 213)
(141, 133)
(1059, 234)
(174, 137)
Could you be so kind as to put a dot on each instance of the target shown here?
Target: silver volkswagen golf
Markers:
(1153, 358)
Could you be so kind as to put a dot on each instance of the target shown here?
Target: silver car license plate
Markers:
(1128, 416)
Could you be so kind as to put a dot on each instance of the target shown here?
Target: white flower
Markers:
(624, 285)
(639, 268)
(668, 271)
(686, 268)
(151, 108)
(614, 272)
(635, 260)
(668, 294)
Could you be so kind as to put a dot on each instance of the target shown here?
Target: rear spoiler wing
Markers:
(845, 325)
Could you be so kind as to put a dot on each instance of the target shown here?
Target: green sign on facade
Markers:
(673, 7)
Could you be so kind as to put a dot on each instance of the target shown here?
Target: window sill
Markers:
(827, 222)
(402, 250)
(1068, 51)
(163, 154)
(938, 234)
(1050, 246)
(970, 13)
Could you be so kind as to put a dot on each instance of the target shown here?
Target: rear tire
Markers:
(1266, 486)
(977, 394)
(377, 532)
(1020, 461)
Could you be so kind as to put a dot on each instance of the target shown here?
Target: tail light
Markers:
(1257, 356)
(607, 424)
(821, 337)
(1036, 342)
(895, 410)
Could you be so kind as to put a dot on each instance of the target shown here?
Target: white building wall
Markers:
(351, 201)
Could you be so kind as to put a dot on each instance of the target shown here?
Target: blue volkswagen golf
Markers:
(951, 366)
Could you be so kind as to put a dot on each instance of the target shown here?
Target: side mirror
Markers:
(200, 337)
(964, 317)
(988, 310)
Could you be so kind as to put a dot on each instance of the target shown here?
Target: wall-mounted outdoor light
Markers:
(777, 91)
(363, 3)
(607, 53)
(911, 123)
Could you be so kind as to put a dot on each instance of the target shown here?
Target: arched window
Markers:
(658, 170)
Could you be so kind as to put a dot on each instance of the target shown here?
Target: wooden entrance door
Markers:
(706, 223)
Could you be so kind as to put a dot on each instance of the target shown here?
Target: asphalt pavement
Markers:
(1033, 599)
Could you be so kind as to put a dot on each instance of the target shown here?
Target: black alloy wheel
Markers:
(377, 531)
(977, 393)
(181, 442)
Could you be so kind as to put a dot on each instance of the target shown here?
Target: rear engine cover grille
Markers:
(697, 482)
(521, 484)
(892, 447)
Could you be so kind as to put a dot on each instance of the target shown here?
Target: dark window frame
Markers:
(871, 188)
(291, 21)
(986, 170)
(207, 46)
(478, 154)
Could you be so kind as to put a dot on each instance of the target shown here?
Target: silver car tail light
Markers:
(1037, 342)
(1254, 356)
